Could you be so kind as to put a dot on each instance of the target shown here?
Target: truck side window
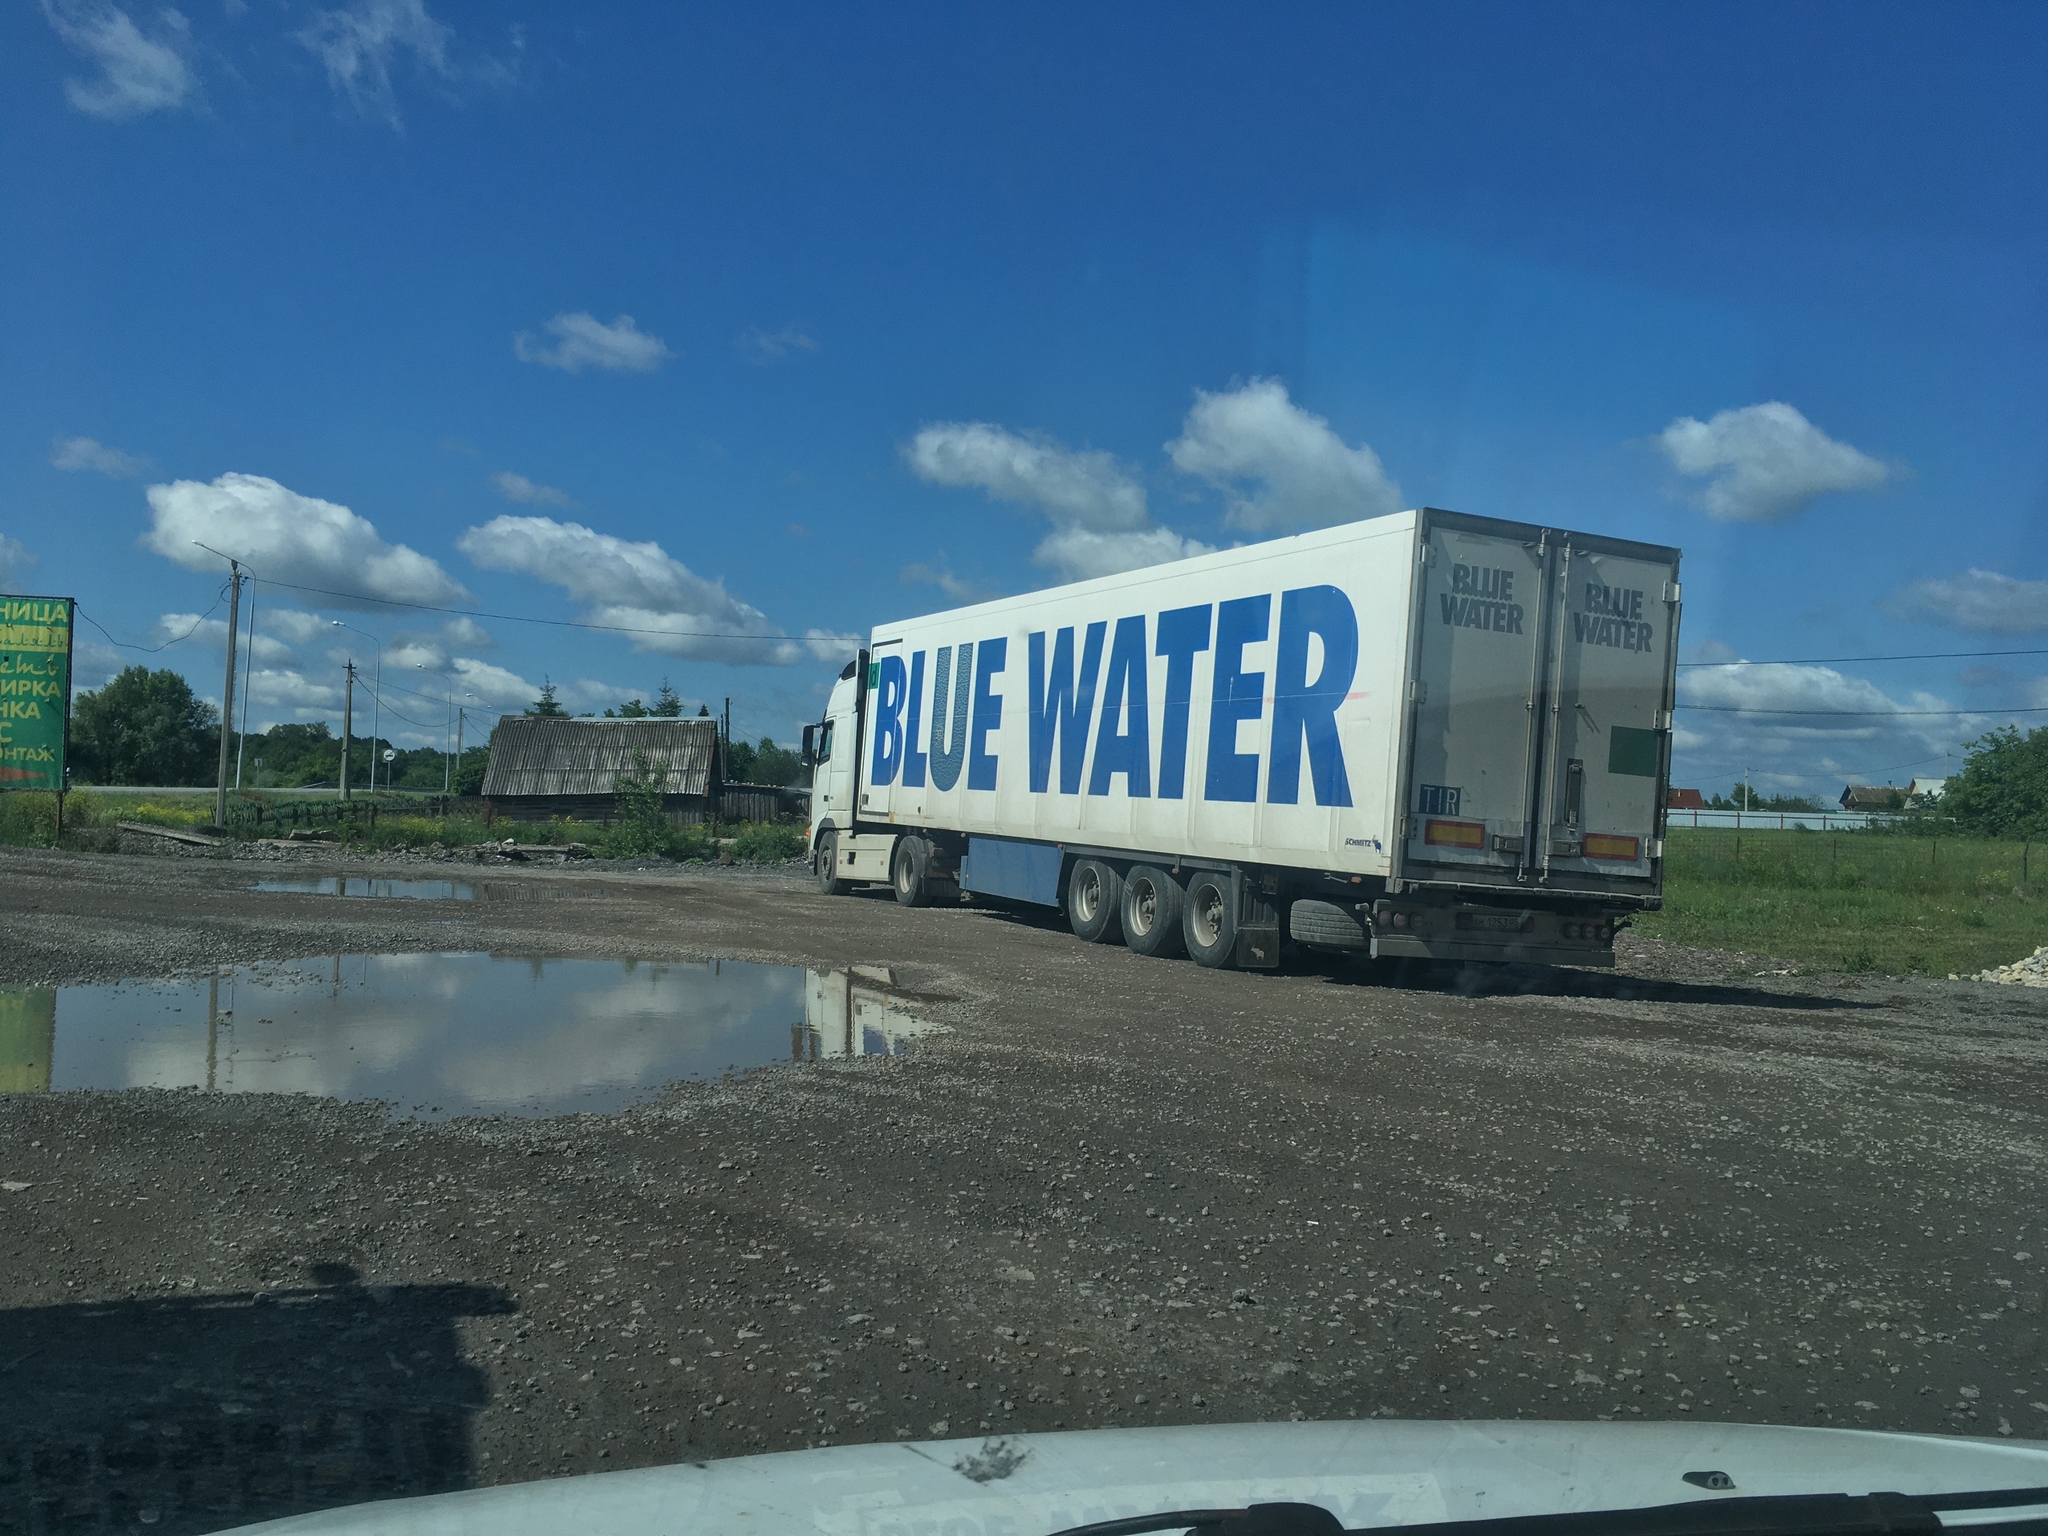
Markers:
(825, 744)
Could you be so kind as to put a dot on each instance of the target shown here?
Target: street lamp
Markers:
(376, 699)
(448, 722)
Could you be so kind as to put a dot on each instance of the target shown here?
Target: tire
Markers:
(1152, 912)
(1325, 925)
(829, 883)
(907, 872)
(1094, 902)
(1209, 921)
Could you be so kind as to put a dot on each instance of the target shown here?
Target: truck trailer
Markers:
(1428, 735)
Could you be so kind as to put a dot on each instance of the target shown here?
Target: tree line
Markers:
(148, 727)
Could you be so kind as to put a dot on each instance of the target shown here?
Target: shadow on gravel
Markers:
(191, 1414)
(1562, 981)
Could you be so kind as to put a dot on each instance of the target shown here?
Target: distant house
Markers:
(1925, 789)
(1687, 800)
(1872, 797)
(545, 766)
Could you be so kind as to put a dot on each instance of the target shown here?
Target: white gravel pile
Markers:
(2030, 972)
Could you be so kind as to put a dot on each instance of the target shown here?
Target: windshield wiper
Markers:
(2012, 1511)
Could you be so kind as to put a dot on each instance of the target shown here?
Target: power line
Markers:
(1878, 714)
(150, 650)
(1816, 661)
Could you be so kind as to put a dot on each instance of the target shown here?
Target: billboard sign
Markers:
(35, 690)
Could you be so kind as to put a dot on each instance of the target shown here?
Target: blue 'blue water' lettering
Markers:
(1308, 710)
(1124, 703)
(1063, 704)
(913, 754)
(1182, 632)
(946, 760)
(1235, 696)
(988, 710)
(888, 722)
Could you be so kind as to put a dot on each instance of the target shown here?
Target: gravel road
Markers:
(1118, 1191)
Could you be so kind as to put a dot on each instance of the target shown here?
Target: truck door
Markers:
(1473, 700)
(1608, 735)
(882, 740)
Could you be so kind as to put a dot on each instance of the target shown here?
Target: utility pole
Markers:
(248, 666)
(348, 708)
(227, 697)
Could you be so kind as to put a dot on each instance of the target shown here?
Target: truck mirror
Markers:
(810, 744)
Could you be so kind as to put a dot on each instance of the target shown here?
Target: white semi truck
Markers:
(1428, 735)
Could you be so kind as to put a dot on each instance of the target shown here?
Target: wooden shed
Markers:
(542, 767)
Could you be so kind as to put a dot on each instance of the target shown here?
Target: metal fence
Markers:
(1781, 821)
(1849, 859)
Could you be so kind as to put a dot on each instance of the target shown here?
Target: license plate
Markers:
(1494, 922)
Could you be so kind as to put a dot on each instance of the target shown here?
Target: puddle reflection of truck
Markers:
(1427, 735)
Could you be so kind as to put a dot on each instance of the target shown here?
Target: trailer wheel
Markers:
(1152, 912)
(1094, 896)
(829, 883)
(907, 872)
(1208, 923)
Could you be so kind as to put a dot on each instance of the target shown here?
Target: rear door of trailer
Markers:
(1539, 708)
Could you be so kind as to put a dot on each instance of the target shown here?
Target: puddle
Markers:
(439, 1035)
(358, 885)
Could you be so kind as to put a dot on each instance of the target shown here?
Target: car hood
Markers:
(1367, 1473)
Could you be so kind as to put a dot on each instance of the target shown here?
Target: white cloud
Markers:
(84, 453)
(285, 537)
(582, 341)
(828, 645)
(1278, 465)
(14, 559)
(212, 634)
(140, 72)
(1787, 686)
(1768, 463)
(467, 632)
(632, 586)
(1974, 603)
(294, 625)
(1845, 729)
(920, 574)
(518, 488)
(360, 43)
(408, 655)
(1097, 508)
(500, 690)
(1079, 553)
(761, 348)
(1087, 489)
(285, 688)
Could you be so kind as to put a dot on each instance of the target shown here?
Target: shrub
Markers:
(767, 843)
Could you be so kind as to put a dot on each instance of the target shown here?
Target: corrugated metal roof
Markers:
(536, 755)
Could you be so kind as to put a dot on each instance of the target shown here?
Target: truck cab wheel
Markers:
(908, 872)
(1094, 899)
(829, 883)
(1208, 922)
(1152, 912)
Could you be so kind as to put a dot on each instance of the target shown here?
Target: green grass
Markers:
(1855, 901)
(28, 819)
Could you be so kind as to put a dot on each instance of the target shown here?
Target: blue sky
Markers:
(929, 303)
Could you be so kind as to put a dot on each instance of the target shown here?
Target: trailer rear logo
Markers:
(1613, 617)
(1482, 597)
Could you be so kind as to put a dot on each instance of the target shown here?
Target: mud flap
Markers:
(1258, 924)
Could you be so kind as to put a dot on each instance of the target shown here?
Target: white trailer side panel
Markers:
(1245, 705)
